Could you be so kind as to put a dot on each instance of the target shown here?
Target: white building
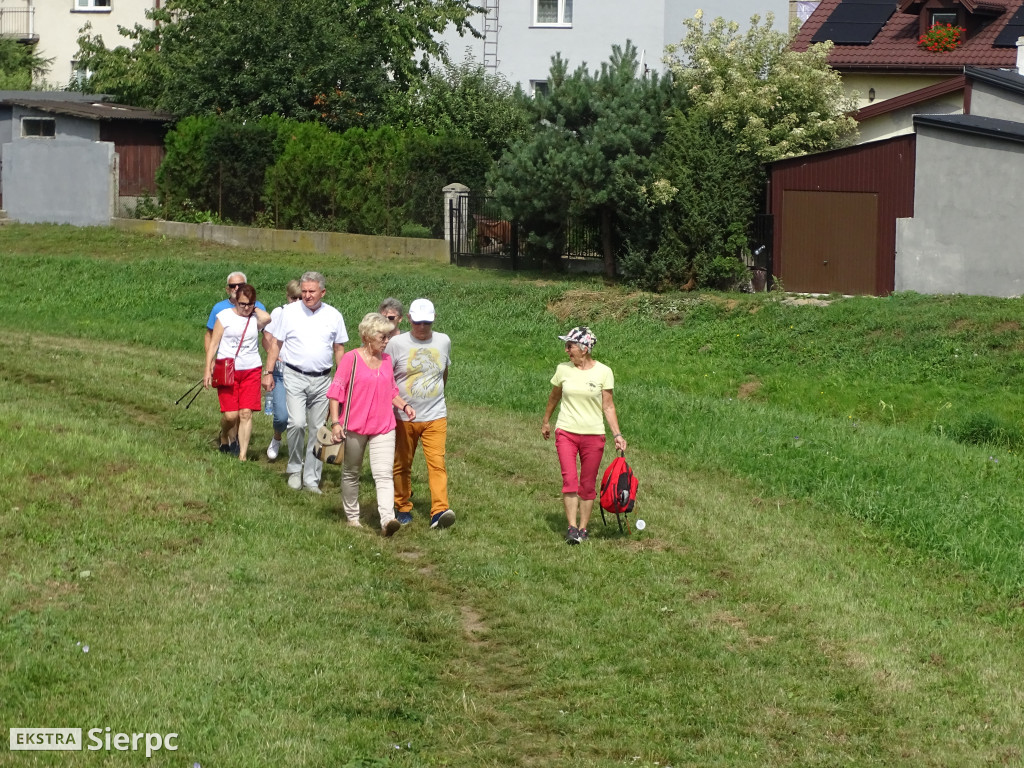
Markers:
(56, 25)
(521, 36)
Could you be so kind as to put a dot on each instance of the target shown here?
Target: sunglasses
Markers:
(391, 318)
(235, 286)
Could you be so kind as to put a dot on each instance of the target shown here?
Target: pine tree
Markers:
(588, 153)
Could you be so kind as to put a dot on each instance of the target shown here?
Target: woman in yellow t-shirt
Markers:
(584, 388)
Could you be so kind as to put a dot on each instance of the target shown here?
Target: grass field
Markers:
(832, 571)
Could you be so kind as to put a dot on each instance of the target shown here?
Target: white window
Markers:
(539, 87)
(92, 5)
(40, 127)
(79, 75)
(552, 13)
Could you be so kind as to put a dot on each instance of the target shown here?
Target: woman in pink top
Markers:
(370, 419)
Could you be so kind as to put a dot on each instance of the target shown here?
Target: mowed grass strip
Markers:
(736, 630)
(816, 584)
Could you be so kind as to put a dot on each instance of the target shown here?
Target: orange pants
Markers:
(433, 435)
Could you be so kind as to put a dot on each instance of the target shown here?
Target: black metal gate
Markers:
(479, 237)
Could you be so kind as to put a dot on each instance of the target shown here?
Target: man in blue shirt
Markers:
(235, 281)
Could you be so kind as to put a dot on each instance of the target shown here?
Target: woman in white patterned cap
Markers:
(584, 387)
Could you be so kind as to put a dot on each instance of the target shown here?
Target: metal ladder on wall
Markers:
(491, 34)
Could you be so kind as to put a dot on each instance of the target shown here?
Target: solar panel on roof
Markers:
(1014, 28)
(855, 22)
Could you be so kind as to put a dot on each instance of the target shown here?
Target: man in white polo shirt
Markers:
(311, 335)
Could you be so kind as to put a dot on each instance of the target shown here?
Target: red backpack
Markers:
(618, 490)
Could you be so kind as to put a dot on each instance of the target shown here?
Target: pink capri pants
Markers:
(589, 449)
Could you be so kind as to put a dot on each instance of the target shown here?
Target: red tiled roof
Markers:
(894, 48)
(992, 6)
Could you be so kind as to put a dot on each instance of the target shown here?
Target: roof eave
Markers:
(942, 122)
(909, 99)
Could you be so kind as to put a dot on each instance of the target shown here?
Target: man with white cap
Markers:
(421, 359)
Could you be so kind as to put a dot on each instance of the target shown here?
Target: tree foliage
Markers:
(20, 65)
(697, 209)
(775, 102)
(465, 100)
(752, 100)
(303, 175)
(218, 165)
(329, 60)
(588, 153)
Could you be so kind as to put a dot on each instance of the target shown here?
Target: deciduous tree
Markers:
(774, 101)
(465, 100)
(330, 60)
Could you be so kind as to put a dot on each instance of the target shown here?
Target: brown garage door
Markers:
(829, 242)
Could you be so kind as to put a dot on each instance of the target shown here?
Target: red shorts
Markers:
(243, 395)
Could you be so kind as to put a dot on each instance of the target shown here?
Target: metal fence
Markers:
(480, 237)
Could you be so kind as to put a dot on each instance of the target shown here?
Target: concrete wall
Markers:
(60, 181)
(990, 101)
(362, 247)
(967, 229)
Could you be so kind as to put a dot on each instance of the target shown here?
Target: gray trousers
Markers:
(307, 407)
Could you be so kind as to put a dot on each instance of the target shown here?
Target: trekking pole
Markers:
(198, 393)
(189, 392)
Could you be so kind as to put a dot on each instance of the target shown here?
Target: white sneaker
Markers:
(273, 449)
(314, 489)
(295, 481)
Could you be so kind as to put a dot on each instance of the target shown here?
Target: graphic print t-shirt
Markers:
(419, 371)
(580, 411)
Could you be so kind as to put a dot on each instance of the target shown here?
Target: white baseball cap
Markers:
(421, 311)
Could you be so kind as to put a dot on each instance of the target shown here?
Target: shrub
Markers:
(698, 208)
(283, 173)
(415, 230)
(218, 164)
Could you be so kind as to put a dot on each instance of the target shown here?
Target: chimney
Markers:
(1020, 55)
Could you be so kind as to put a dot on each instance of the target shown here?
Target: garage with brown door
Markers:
(835, 216)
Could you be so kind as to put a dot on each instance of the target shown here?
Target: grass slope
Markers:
(830, 573)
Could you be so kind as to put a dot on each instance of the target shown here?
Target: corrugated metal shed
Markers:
(884, 170)
(95, 110)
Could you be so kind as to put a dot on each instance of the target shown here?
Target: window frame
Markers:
(27, 120)
(944, 12)
(91, 6)
(561, 23)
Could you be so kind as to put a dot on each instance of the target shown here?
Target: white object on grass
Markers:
(640, 525)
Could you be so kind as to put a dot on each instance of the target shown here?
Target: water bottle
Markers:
(268, 403)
